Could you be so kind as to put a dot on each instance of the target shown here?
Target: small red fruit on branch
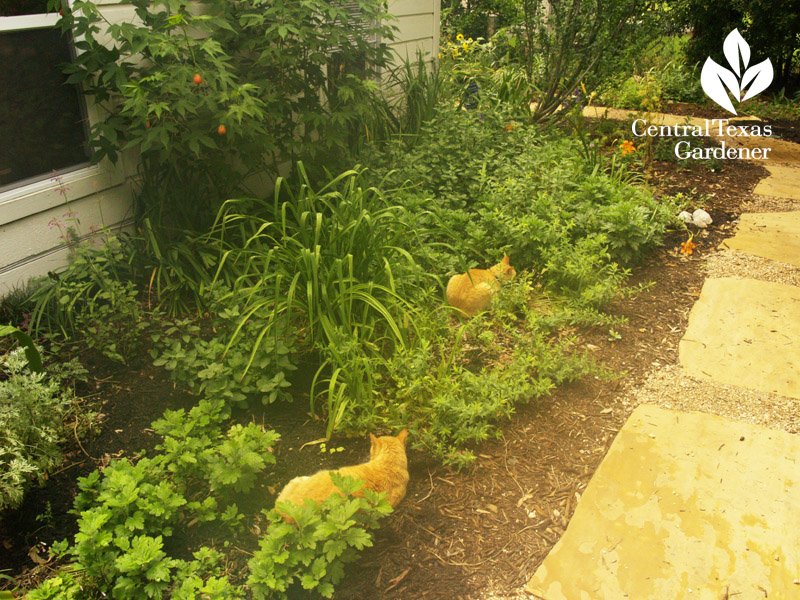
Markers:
(221, 130)
(197, 79)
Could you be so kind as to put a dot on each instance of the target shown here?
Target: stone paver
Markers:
(781, 152)
(783, 182)
(747, 333)
(770, 235)
(684, 505)
(653, 118)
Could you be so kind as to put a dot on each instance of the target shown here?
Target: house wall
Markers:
(418, 24)
(31, 242)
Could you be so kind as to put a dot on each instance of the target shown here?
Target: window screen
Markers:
(42, 120)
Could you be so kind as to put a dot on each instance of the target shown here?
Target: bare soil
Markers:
(457, 535)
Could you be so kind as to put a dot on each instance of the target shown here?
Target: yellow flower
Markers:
(627, 147)
(465, 46)
(441, 55)
(455, 54)
(460, 37)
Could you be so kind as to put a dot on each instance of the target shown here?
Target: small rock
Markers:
(685, 217)
(701, 218)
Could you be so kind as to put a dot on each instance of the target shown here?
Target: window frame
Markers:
(31, 196)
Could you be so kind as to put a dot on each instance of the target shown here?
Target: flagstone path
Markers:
(689, 504)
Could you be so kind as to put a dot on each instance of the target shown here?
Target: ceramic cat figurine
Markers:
(386, 471)
(472, 293)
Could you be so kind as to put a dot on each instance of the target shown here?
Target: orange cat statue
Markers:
(386, 471)
(472, 292)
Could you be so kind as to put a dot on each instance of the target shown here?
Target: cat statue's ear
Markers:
(372, 440)
(403, 435)
(506, 260)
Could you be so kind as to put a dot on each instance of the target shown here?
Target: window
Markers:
(42, 120)
(345, 61)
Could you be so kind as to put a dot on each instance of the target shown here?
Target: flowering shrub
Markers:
(213, 91)
(460, 48)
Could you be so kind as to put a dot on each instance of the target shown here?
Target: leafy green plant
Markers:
(128, 513)
(313, 553)
(95, 275)
(35, 411)
(337, 262)
(458, 387)
(658, 73)
(194, 450)
(114, 321)
(233, 372)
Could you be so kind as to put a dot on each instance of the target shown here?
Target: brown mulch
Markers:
(457, 535)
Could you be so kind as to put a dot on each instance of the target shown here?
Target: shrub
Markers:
(313, 552)
(658, 73)
(456, 386)
(472, 19)
(285, 79)
(35, 409)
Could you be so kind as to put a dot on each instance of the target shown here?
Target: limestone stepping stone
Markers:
(770, 235)
(655, 118)
(747, 333)
(684, 506)
(781, 151)
(783, 182)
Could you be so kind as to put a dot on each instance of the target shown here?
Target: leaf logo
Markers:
(716, 78)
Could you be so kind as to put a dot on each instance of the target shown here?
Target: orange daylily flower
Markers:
(688, 247)
(627, 147)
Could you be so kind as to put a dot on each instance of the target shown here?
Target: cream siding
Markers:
(418, 27)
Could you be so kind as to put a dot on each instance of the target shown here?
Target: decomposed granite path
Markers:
(690, 504)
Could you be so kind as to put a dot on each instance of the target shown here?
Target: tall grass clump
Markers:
(333, 260)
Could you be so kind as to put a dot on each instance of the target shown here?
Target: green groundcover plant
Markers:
(130, 512)
(312, 552)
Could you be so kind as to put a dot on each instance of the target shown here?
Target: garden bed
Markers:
(456, 534)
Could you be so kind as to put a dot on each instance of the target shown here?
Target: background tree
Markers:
(471, 17)
(771, 27)
(572, 46)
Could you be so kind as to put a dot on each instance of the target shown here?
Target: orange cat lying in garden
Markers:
(386, 471)
(472, 292)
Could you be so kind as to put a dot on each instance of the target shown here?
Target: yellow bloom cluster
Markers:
(459, 48)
